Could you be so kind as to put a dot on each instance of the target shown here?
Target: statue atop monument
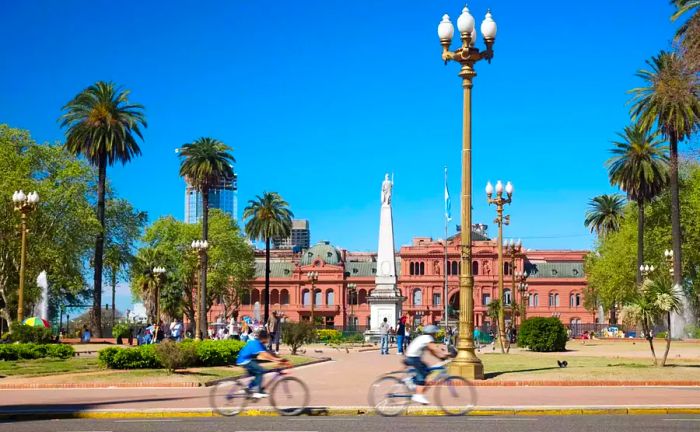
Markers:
(387, 185)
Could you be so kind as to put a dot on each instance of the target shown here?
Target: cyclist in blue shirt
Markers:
(248, 357)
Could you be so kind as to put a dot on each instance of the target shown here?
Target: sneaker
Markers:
(419, 398)
(409, 383)
(259, 395)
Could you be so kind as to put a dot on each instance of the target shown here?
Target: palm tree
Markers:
(605, 214)
(689, 32)
(116, 260)
(639, 166)
(666, 301)
(268, 217)
(145, 279)
(102, 125)
(205, 164)
(669, 100)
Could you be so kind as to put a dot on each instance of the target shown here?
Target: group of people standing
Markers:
(245, 329)
(388, 333)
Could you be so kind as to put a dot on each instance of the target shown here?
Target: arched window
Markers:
(475, 268)
(455, 267)
(422, 268)
(506, 268)
(362, 296)
(417, 297)
(317, 297)
(531, 300)
(536, 301)
(411, 269)
(575, 300)
(330, 297)
(274, 297)
(255, 297)
(553, 299)
(507, 298)
(305, 297)
(284, 297)
(245, 297)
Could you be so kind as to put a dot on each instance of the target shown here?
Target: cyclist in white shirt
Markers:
(414, 354)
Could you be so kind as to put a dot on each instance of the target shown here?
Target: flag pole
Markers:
(445, 298)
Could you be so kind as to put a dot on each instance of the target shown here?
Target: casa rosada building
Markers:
(555, 286)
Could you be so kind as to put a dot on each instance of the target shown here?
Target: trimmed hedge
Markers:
(207, 353)
(542, 334)
(329, 336)
(27, 334)
(30, 351)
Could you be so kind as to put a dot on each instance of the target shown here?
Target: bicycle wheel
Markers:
(389, 396)
(455, 395)
(289, 396)
(229, 397)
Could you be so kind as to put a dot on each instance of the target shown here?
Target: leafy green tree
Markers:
(604, 214)
(124, 225)
(103, 126)
(61, 228)
(669, 101)
(206, 163)
(267, 217)
(639, 166)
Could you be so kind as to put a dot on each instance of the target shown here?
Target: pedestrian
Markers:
(86, 335)
(274, 328)
(233, 329)
(400, 335)
(384, 329)
(244, 331)
(176, 330)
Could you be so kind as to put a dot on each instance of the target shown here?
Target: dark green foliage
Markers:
(542, 334)
(121, 330)
(297, 334)
(29, 351)
(172, 356)
(329, 336)
(27, 334)
(175, 356)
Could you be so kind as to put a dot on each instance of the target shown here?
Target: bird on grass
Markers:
(563, 364)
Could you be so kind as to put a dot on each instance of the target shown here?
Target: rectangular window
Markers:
(436, 299)
(485, 299)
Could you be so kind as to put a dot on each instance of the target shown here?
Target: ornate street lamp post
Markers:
(200, 247)
(500, 220)
(25, 204)
(467, 364)
(521, 277)
(352, 291)
(513, 250)
(312, 276)
(159, 273)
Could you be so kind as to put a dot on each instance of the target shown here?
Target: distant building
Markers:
(223, 197)
(299, 239)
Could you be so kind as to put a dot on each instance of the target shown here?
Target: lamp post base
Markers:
(467, 370)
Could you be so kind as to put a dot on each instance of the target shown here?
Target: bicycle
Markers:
(289, 395)
(391, 393)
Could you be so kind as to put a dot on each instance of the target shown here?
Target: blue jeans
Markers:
(399, 343)
(256, 371)
(421, 369)
(385, 344)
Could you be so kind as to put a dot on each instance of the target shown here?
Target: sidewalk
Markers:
(341, 387)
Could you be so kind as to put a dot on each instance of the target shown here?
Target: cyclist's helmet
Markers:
(430, 329)
(261, 333)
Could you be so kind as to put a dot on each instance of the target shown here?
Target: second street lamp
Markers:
(513, 250)
(352, 291)
(467, 364)
(25, 204)
(158, 273)
(500, 220)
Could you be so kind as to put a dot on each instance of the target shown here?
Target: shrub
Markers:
(142, 357)
(121, 330)
(329, 336)
(542, 334)
(175, 356)
(297, 334)
(354, 337)
(106, 356)
(30, 351)
(216, 353)
(27, 334)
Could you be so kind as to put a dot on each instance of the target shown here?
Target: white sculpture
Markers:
(386, 189)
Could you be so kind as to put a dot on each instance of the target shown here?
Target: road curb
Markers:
(352, 411)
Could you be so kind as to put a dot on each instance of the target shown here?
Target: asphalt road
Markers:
(620, 423)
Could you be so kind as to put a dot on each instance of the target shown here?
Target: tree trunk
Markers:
(650, 339)
(640, 239)
(675, 212)
(99, 247)
(204, 259)
(668, 339)
(266, 291)
(114, 295)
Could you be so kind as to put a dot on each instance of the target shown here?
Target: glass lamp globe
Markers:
(489, 188)
(488, 27)
(499, 187)
(509, 188)
(465, 22)
(445, 29)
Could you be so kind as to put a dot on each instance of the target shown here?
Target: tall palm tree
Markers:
(103, 126)
(205, 163)
(639, 166)
(604, 214)
(689, 32)
(669, 100)
(268, 217)
(116, 259)
(145, 279)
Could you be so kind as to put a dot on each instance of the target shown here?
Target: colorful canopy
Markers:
(36, 322)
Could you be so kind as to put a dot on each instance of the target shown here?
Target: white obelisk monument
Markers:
(385, 301)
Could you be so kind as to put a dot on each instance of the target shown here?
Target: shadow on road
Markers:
(495, 374)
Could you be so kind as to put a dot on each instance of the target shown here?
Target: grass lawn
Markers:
(83, 370)
(525, 366)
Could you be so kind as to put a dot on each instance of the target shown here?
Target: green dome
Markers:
(323, 251)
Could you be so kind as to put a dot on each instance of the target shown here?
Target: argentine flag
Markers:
(448, 203)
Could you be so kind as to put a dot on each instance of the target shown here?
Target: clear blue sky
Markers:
(319, 98)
